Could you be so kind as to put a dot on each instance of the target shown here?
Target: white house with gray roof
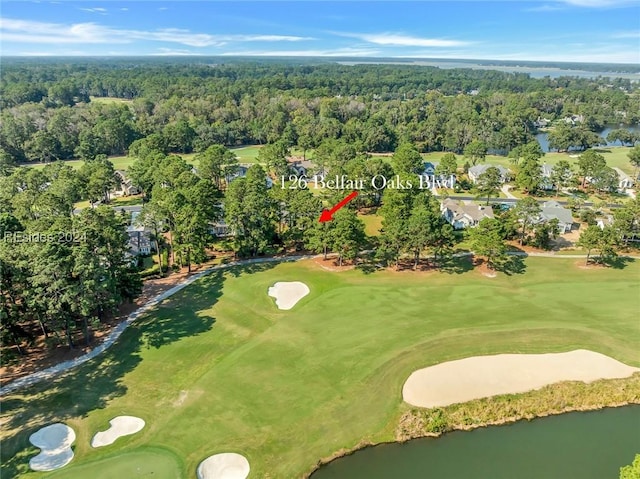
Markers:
(624, 180)
(461, 215)
(545, 180)
(554, 210)
(475, 172)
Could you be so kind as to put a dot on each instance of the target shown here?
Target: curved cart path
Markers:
(53, 371)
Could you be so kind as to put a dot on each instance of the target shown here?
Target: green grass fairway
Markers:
(218, 368)
(119, 162)
(141, 463)
(372, 223)
(247, 154)
(109, 100)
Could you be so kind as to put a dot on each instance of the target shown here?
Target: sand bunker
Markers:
(120, 426)
(483, 376)
(228, 465)
(54, 442)
(287, 294)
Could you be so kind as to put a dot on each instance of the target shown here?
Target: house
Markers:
(139, 237)
(431, 179)
(219, 229)
(545, 180)
(624, 180)
(300, 167)
(241, 172)
(462, 216)
(124, 185)
(573, 119)
(318, 176)
(553, 210)
(475, 172)
(607, 220)
(429, 168)
(541, 122)
(139, 240)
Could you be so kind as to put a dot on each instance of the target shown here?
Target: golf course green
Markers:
(159, 464)
(219, 368)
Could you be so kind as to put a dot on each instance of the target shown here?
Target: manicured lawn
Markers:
(372, 223)
(119, 162)
(247, 154)
(109, 100)
(218, 368)
(144, 462)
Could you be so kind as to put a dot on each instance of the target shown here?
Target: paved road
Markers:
(53, 371)
(505, 190)
(129, 209)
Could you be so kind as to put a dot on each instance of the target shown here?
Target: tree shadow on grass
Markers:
(367, 267)
(513, 264)
(457, 265)
(237, 271)
(93, 384)
(620, 262)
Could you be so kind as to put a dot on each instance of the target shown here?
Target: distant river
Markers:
(580, 445)
(543, 138)
(534, 72)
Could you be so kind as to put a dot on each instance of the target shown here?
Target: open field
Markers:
(372, 223)
(218, 368)
(246, 154)
(109, 100)
(119, 162)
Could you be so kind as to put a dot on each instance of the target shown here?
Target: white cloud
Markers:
(598, 56)
(26, 31)
(545, 8)
(36, 54)
(599, 3)
(124, 9)
(395, 39)
(98, 10)
(340, 52)
(635, 34)
(174, 52)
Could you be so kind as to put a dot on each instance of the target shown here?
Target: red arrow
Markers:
(327, 215)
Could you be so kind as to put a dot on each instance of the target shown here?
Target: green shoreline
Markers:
(552, 400)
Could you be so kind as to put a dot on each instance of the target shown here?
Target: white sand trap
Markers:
(228, 465)
(120, 426)
(484, 376)
(287, 294)
(54, 442)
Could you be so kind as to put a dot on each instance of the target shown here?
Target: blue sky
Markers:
(602, 31)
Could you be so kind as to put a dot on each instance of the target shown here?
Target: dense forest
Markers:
(47, 112)
(64, 271)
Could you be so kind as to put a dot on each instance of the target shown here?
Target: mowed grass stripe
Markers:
(285, 388)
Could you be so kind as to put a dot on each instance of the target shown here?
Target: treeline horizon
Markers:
(47, 112)
(608, 67)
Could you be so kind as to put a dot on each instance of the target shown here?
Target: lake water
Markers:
(543, 137)
(581, 445)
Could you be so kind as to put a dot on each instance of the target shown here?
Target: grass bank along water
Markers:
(285, 388)
(585, 445)
(550, 400)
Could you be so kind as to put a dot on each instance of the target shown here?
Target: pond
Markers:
(543, 137)
(580, 445)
